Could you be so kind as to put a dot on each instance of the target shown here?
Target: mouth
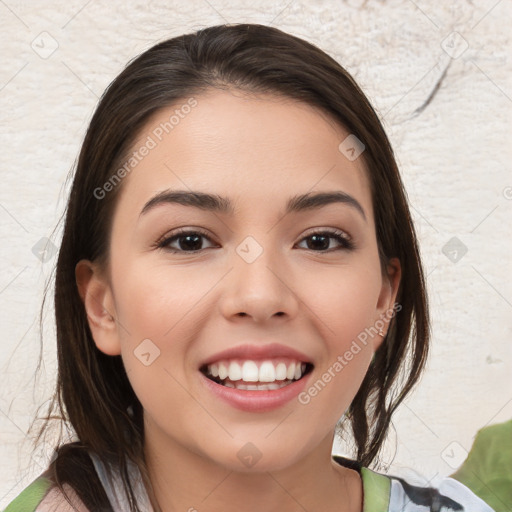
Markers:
(251, 375)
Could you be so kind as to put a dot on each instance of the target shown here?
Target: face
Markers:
(289, 283)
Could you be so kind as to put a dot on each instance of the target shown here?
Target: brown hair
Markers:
(93, 392)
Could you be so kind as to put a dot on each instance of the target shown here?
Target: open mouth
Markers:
(256, 375)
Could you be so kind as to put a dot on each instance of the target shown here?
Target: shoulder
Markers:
(43, 496)
(443, 494)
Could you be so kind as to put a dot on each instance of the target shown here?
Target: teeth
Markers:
(281, 371)
(252, 371)
(235, 372)
(256, 387)
(267, 372)
(223, 371)
(290, 374)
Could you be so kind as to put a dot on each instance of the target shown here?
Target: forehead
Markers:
(247, 147)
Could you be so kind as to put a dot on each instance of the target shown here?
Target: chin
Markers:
(250, 459)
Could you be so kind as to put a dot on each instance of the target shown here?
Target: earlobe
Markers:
(96, 294)
(386, 305)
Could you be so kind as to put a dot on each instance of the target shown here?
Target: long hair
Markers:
(93, 394)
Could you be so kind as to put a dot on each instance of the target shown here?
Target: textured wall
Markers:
(440, 77)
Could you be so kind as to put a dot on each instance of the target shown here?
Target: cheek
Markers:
(343, 299)
(155, 301)
(345, 303)
(155, 310)
(336, 383)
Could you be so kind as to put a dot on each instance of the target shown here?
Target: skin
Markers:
(258, 151)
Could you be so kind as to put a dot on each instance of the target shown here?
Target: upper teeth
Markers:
(257, 371)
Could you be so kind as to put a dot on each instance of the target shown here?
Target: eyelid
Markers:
(344, 239)
(331, 233)
(164, 239)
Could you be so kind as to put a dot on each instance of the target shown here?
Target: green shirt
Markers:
(381, 493)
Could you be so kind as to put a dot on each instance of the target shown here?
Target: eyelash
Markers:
(344, 240)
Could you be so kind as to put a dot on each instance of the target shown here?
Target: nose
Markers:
(261, 289)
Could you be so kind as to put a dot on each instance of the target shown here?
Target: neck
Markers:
(184, 480)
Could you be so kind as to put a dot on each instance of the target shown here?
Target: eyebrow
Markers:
(219, 204)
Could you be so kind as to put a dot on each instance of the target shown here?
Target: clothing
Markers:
(381, 493)
(487, 471)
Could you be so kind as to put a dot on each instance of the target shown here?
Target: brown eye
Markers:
(184, 241)
(321, 241)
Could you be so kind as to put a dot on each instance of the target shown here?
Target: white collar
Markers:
(114, 486)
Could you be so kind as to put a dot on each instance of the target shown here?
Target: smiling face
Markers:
(252, 259)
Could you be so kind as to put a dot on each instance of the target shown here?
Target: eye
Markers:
(320, 241)
(190, 241)
(187, 241)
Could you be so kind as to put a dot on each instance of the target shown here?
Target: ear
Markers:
(386, 305)
(96, 294)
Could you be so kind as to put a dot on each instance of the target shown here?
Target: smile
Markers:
(256, 385)
(251, 375)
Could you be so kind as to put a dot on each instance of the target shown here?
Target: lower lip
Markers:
(256, 401)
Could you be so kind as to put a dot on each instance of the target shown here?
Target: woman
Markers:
(238, 271)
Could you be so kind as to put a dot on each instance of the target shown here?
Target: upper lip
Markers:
(257, 352)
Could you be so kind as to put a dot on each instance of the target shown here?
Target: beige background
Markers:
(438, 73)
